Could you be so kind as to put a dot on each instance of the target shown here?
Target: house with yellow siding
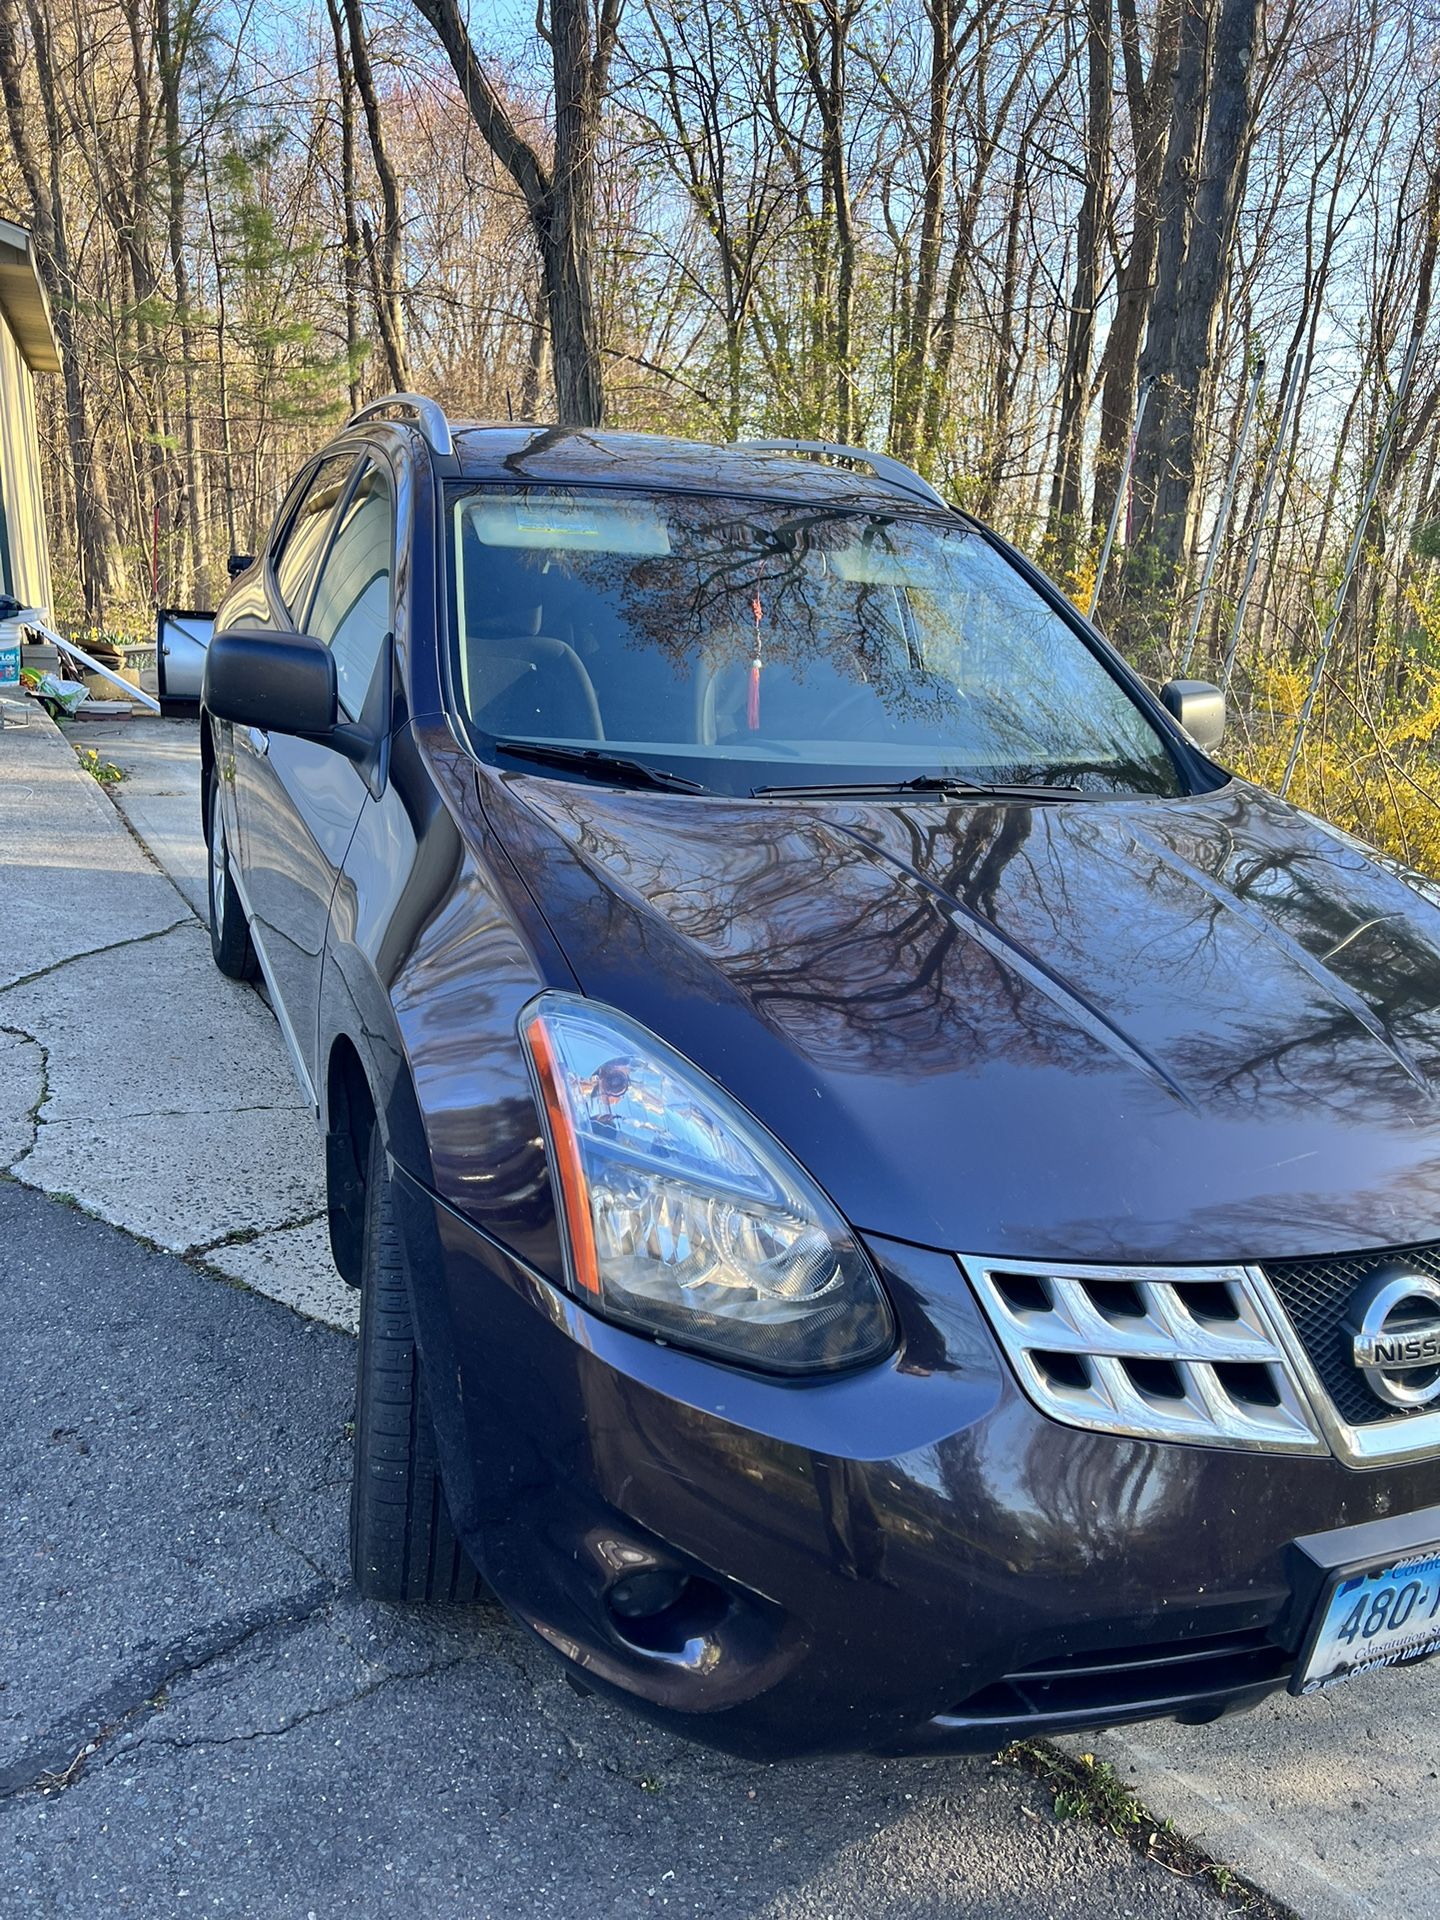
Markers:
(27, 347)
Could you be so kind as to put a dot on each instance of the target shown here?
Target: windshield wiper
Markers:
(942, 784)
(596, 761)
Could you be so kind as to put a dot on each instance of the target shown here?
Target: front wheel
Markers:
(230, 942)
(403, 1545)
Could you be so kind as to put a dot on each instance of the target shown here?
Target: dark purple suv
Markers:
(895, 1202)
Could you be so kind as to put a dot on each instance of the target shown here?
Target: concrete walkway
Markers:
(135, 1078)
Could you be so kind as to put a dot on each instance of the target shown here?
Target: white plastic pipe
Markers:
(28, 617)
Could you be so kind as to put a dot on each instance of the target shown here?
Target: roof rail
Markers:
(429, 415)
(883, 465)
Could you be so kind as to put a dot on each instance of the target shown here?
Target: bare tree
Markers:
(1065, 493)
(384, 249)
(1196, 243)
(350, 216)
(174, 37)
(42, 176)
(560, 197)
(1147, 99)
(825, 30)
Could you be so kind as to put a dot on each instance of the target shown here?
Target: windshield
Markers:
(750, 645)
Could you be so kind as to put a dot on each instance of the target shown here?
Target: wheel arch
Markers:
(350, 1119)
(207, 771)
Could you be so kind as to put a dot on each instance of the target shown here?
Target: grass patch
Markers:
(1084, 1788)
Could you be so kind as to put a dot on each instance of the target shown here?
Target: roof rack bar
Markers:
(429, 415)
(882, 465)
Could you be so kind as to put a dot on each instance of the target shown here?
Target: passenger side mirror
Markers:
(239, 563)
(278, 682)
(1200, 709)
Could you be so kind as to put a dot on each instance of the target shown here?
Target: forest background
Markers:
(1021, 246)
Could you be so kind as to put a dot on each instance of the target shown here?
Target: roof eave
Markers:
(23, 302)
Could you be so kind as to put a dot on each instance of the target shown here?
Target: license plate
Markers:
(1384, 1616)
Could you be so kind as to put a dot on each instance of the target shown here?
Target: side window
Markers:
(297, 546)
(351, 608)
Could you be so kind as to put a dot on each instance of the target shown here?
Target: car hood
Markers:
(1200, 1029)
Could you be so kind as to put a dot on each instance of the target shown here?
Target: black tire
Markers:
(230, 943)
(402, 1543)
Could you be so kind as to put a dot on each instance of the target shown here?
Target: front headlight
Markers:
(680, 1214)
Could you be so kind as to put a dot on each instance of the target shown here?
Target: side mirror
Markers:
(278, 682)
(239, 563)
(1200, 709)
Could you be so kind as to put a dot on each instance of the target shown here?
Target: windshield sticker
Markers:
(559, 523)
(875, 566)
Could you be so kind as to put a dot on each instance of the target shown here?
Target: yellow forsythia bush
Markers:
(1369, 765)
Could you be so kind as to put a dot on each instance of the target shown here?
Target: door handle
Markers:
(259, 739)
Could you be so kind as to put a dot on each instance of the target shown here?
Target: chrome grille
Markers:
(1162, 1353)
(1315, 1293)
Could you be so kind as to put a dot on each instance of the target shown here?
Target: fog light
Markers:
(667, 1614)
(640, 1595)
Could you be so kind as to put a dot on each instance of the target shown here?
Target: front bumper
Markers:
(910, 1559)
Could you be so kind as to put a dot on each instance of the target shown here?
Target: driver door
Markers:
(304, 798)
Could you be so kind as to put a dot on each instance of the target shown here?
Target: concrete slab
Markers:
(160, 794)
(22, 1088)
(1326, 1802)
(153, 1028)
(294, 1267)
(169, 1106)
(183, 1180)
(70, 884)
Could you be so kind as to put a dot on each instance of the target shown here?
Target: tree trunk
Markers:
(385, 251)
(915, 343)
(95, 535)
(222, 366)
(826, 69)
(1065, 532)
(1007, 368)
(172, 37)
(1179, 352)
(1148, 102)
(350, 239)
(570, 225)
(534, 360)
(560, 203)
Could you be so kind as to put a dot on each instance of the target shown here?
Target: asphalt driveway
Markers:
(199, 1717)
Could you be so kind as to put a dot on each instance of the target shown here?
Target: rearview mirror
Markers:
(278, 682)
(1200, 709)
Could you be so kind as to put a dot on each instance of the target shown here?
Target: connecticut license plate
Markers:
(1381, 1617)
